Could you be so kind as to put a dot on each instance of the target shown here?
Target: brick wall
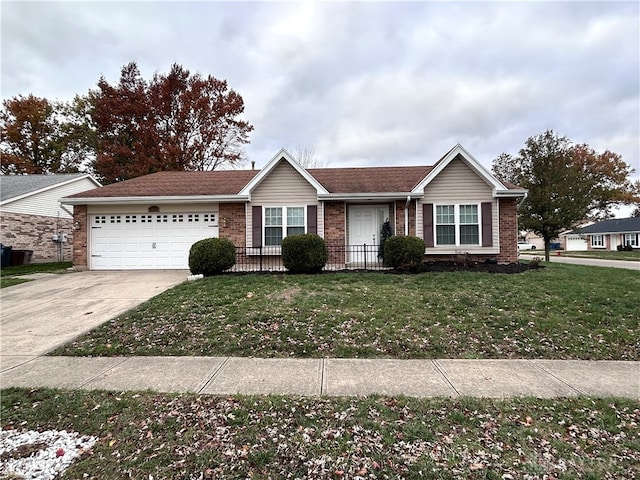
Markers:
(232, 223)
(335, 227)
(81, 218)
(34, 232)
(508, 231)
(399, 208)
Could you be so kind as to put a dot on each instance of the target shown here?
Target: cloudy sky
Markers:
(362, 83)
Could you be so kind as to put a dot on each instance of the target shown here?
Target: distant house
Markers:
(608, 234)
(150, 222)
(31, 213)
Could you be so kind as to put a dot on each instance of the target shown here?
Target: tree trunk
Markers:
(547, 248)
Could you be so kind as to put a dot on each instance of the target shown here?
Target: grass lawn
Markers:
(11, 275)
(150, 435)
(559, 312)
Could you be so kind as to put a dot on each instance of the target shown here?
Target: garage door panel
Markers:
(156, 241)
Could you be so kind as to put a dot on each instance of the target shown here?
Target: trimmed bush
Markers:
(304, 253)
(403, 252)
(211, 256)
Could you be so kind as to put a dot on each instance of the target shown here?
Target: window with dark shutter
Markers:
(256, 230)
(312, 219)
(427, 224)
(487, 224)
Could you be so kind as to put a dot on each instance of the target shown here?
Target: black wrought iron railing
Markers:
(341, 257)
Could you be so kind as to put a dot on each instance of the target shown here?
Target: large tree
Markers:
(176, 121)
(565, 183)
(32, 137)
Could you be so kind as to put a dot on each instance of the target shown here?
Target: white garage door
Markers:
(148, 241)
(576, 243)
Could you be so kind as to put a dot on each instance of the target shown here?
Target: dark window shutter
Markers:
(487, 225)
(427, 224)
(312, 219)
(256, 230)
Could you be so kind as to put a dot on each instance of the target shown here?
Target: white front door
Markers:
(365, 223)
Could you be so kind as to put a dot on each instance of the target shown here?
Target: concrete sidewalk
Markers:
(330, 376)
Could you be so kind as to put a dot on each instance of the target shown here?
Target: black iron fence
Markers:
(341, 257)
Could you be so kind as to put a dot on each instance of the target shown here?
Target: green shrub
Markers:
(211, 256)
(304, 253)
(403, 252)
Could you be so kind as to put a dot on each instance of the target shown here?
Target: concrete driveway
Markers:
(43, 314)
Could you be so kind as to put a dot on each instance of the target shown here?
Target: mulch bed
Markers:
(488, 267)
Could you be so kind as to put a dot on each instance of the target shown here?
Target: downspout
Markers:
(406, 215)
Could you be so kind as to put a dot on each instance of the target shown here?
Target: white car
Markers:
(526, 246)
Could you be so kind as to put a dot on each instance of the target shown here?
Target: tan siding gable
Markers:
(47, 203)
(284, 186)
(458, 182)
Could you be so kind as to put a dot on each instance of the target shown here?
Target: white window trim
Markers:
(276, 248)
(457, 224)
(633, 237)
(601, 244)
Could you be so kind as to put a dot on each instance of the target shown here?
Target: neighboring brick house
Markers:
(609, 234)
(31, 213)
(150, 222)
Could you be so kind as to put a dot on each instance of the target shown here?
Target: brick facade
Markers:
(232, 223)
(80, 218)
(399, 208)
(335, 221)
(34, 232)
(508, 231)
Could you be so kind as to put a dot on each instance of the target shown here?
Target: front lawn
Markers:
(11, 275)
(559, 312)
(147, 435)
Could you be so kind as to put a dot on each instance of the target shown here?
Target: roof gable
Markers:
(282, 156)
(459, 152)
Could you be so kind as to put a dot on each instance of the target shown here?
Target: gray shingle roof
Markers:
(614, 225)
(12, 186)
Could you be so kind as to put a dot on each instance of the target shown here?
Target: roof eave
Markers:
(620, 232)
(510, 193)
(154, 199)
(370, 196)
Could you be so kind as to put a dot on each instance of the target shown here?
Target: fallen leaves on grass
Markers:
(191, 436)
(443, 315)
